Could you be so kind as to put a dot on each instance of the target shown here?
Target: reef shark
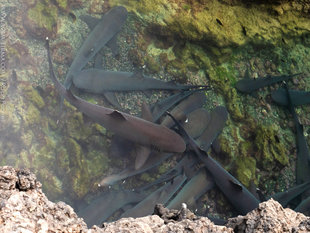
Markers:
(304, 206)
(297, 97)
(98, 81)
(196, 122)
(217, 122)
(130, 127)
(161, 195)
(251, 85)
(192, 190)
(103, 206)
(286, 196)
(303, 154)
(104, 31)
(236, 193)
(191, 103)
(159, 108)
(143, 152)
(155, 159)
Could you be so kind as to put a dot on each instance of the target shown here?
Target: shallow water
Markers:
(70, 153)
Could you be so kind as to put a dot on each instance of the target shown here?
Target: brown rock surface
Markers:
(25, 208)
(270, 216)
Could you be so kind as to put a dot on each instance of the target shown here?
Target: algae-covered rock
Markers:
(33, 96)
(270, 147)
(97, 162)
(41, 19)
(76, 127)
(224, 79)
(3, 86)
(78, 175)
(63, 4)
(245, 169)
(52, 185)
(32, 115)
(216, 24)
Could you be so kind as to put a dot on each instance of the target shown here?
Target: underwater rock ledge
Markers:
(25, 208)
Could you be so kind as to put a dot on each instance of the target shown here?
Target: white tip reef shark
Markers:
(161, 195)
(103, 32)
(130, 127)
(303, 153)
(297, 97)
(236, 193)
(98, 81)
(250, 85)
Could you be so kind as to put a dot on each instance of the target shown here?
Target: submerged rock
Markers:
(24, 207)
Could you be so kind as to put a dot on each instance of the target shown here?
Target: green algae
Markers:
(33, 96)
(97, 162)
(62, 160)
(32, 115)
(75, 153)
(63, 4)
(44, 14)
(224, 79)
(269, 146)
(78, 175)
(245, 167)
(151, 9)
(152, 64)
(146, 177)
(23, 159)
(218, 25)
(76, 127)
(52, 186)
(27, 138)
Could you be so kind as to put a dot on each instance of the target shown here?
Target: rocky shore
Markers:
(25, 208)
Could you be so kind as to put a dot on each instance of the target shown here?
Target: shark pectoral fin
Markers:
(90, 21)
(142, 154)
(70, 95)
(146, 113)
(98, 61)
(235, 185)
(111, 98)
(254, 94)
(172, 82)
(117, 116)
(112, 44)
(138, 73)
(147, 93)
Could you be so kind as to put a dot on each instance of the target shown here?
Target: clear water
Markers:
(70, 154)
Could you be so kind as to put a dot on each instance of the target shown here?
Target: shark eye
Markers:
(186, 121)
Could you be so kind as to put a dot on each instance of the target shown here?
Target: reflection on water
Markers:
(213, 43)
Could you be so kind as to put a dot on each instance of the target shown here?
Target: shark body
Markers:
(130, 127)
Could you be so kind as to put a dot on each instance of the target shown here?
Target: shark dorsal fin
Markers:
(90, 21)
(235, 184)
(117, 115)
